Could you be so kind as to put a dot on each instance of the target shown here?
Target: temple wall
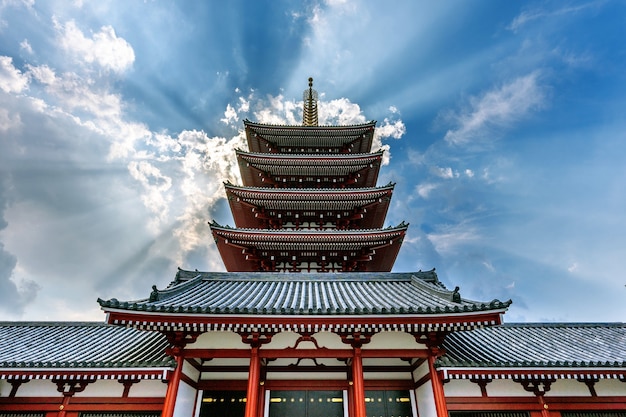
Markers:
(510, 388)
(185, 401)
(461, 388)
(35, 388)
(231, 340)
(329, 340)
(190, 371)
(218, 340)
(425, 401)
(286, 339)
(610, 387)
(505, 388)
(148, 388)
(102, 388)
(225, 376)
(568, 387)
(424, 395)
(311, 376)
(393, 340)
(5, 388)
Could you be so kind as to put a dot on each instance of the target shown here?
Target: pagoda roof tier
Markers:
(305, 302)
(283, 250)
(537, 351)
(81, 350)
(343, 208)
(309, 171)
(264, 138)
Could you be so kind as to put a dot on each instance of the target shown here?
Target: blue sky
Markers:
(503, 123)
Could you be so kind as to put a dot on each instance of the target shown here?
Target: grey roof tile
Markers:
(301, 294)
(538, 344)
(79, 345)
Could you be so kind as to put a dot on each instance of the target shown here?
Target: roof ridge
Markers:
(367, 123)
(53, 323)
(564, 324)
(311, 189)
(316, 155)
(403, 225)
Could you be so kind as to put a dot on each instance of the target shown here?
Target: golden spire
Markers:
(309, 113)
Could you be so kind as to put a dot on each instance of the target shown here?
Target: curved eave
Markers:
(309, 171)
(309, 235)
(312, 158)
(538, 372)
(297, 128)
(302, 192)
(81, 372)
(164, 321)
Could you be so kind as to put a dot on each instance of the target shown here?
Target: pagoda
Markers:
(309, 201)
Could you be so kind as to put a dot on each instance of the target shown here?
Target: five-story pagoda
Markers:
(309, 201)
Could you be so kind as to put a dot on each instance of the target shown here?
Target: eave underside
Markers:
(302, 139)
(300, 145)
(319, 210)
(309, 172)
(247, 251)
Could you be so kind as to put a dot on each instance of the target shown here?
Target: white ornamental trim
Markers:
(529, 374)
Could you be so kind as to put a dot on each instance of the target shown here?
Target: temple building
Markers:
(309, 320)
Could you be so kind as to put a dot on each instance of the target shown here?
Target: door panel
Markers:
(223, 404)
(389, 403)
(306, 404)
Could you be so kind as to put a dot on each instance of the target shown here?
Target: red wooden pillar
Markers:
(358, 385)
(68, 388)
(544, 407)
(254, 375)
(63, 406)
(172, 386)
(261, 406)
(437, 383)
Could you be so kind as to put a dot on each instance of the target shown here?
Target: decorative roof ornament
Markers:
(309, 98)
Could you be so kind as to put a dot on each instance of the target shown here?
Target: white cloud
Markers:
(11, 79)
(103, 48)
(43, 74)
(155, 197)
(446, 173)
(230, 115)
(25, 46)
(530, 15)
(423, 190)
(8, 120)
(450, 237)
(497, 108)
(489, 266)
(244, 105)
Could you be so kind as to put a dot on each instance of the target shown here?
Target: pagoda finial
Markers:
(309, 98)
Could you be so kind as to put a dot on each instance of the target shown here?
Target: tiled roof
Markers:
(561, 345)
(356, 138)
(418, 293)
(79, 345)
(276, 129)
